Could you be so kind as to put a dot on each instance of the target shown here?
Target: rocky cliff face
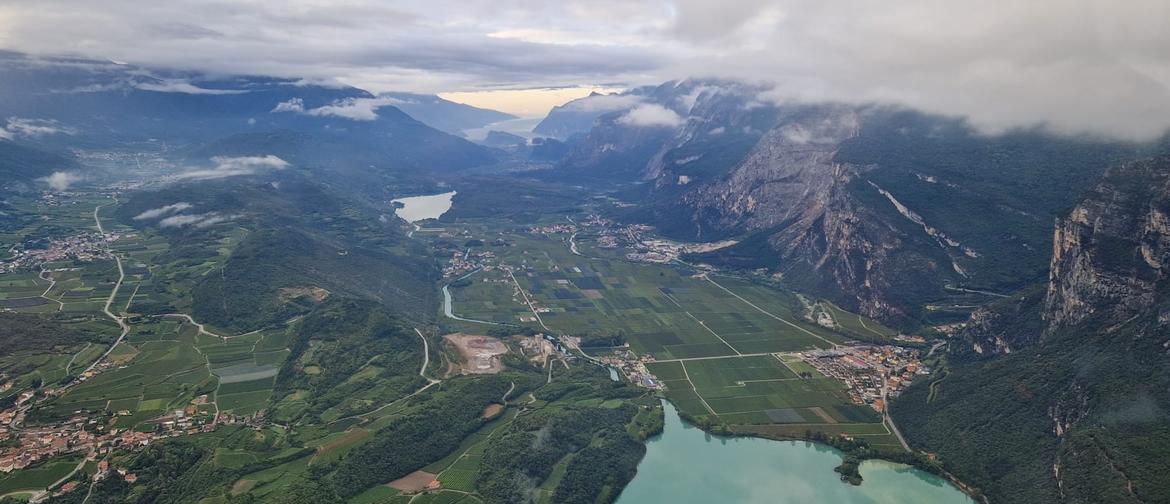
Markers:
(879, 208)
(1067, 398)
(1112, 253)
(794, 196)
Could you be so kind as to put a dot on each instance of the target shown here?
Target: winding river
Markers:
(686, 465)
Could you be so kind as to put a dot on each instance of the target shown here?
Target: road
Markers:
(765, 312)
(70, 363)
(421, 372)
(504, 400)
(52, 282)
(426, 357)
(687, 359)
(934, 347)
(203, 330)
(890, 421)
(528, 301)
(110, 300)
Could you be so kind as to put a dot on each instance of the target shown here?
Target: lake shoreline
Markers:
(942, 477)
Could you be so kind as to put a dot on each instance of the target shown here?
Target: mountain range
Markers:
(1037, 261)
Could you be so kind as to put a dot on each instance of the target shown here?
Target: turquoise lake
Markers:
(685, 465)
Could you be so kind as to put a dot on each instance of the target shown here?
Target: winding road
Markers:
(203, 330)
(110, 300)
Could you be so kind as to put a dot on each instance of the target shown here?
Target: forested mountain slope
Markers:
(1067, 385)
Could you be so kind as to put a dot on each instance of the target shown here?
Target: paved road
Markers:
(426, 357)
(765, 312)
(110, 300)
(528, 301)
(688, 359)
(203, 330)
(890, 421)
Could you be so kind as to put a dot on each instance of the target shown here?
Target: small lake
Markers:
(521, 127)
(685, 465)
(417, 208)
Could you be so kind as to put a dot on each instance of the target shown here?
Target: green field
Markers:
(716, 340)
(39, 477)
(663, 311)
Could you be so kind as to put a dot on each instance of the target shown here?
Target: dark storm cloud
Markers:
(1075, 66)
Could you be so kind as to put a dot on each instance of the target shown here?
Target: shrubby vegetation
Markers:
(21, 332)
(993, 422)
(300, 235)
(347, 336)
(601, 445)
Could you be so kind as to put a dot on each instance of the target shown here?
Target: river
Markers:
(417, 208)
(685, 465)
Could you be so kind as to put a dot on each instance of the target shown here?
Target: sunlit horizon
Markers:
(525, 103)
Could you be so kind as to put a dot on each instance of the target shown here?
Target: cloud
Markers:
(60, 181)
(651, 115)
(235, 166)
(155, 213)
(357, 109)
(195, 220)
(180, 86)
(602, 103)
(33, 128)
(1095, 66)
(292, 105)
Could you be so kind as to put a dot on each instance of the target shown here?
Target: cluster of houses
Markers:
(84, 247)
(93, 435)
(872, 372)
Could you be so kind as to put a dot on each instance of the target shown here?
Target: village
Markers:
(98, 434)
(84, 247)
(93, 435)
(872, 372)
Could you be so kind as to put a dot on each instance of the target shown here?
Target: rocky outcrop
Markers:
(1112, 252)
(879, 208)
(791, 190)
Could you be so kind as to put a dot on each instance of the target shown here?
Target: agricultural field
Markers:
(764, 391)
(38, 477)
(490, 296)
(166, 363)
(724, 347)
(662, 311)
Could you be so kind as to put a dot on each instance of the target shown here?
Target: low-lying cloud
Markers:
(20, 127)
(60, 181)
(195, 220)
(235, 166)
(602, 103)
(650, 115)
(357, 109)
(155, 213)
(181, 86)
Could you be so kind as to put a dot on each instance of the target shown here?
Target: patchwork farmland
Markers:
(724, 348)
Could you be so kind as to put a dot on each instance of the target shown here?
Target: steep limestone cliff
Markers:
(1059, 395)
(1111, 254)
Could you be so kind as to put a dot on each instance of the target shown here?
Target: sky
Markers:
(533, 102)
(1077, 66)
